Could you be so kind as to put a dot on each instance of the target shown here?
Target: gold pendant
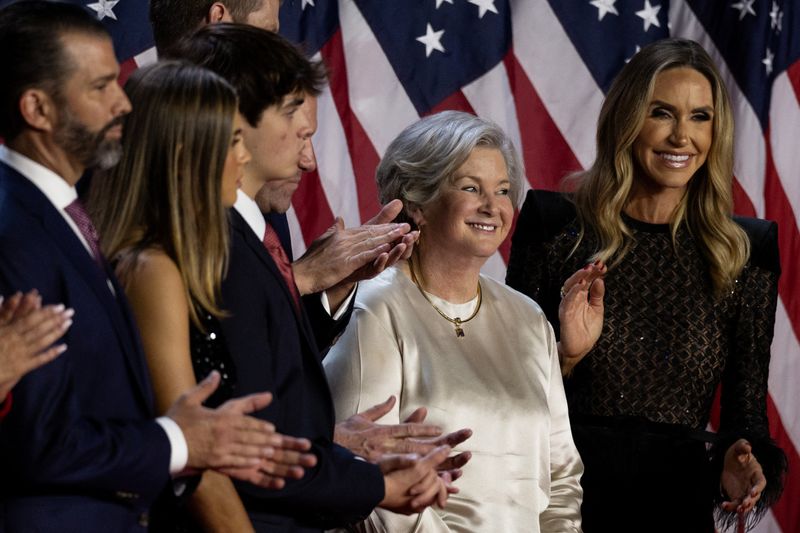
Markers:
(459, 331)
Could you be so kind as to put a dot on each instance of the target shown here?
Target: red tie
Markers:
(78, 214)
(273, 245)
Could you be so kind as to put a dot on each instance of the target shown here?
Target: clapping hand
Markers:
(413, 483)
(227, 440)
(27, 334)
(364, 437)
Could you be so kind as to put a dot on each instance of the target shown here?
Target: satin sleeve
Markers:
(364, 368)
(563, 513)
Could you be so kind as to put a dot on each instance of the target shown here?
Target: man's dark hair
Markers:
(263, 67)
(172, 20)
(32, 52)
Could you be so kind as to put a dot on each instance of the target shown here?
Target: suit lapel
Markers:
(240, 226)
(258, 248)
(64, 238)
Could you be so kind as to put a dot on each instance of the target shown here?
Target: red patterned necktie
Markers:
(273, 246)
(78, 214)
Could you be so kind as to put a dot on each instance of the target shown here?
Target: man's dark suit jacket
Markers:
(274, 349)
(79, 451)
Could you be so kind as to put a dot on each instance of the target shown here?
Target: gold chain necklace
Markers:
(457, 321)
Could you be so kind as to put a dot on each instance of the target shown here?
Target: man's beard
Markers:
(92, 149)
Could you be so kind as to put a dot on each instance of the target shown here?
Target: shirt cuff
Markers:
(179, 450)
(5, 406)
(342, 308)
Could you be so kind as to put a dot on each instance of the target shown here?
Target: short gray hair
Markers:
(426, 155)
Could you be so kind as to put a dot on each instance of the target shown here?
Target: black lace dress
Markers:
(209, 352)
(641, 399)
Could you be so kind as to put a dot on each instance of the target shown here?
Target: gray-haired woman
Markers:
(434, 332)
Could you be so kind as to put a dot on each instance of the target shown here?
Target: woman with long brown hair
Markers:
(161, 217)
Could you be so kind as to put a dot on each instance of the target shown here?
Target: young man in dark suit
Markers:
(80, 450)
(268, 330)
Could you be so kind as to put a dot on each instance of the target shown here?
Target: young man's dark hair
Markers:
(262, 66)
(32, 52)
(172, 20)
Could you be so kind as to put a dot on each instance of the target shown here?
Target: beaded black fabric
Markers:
(667, 340)
(210, 352)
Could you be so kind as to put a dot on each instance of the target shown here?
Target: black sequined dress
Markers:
(209, 352)
(641, 399)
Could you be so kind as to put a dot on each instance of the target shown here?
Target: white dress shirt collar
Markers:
(248, 208)
(54, 187)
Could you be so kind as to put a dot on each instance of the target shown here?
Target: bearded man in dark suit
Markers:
(80, 450)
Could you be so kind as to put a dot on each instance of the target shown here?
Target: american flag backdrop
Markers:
(539, 68)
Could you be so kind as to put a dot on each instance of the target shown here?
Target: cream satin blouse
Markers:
(501, 379)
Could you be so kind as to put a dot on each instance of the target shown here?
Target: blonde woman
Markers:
(161, 216)
(689, 303)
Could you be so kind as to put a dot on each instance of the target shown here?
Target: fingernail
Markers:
(61, 348)
(69, 313)
(67, 324)
(58, 308)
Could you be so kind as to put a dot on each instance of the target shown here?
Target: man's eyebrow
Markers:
(105, 79)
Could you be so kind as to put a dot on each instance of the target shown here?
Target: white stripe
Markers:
(298, 244)
(767, 525)
(488, 96)
(376, 95)
(784, 133)
(784, 371)
(147, 57)
(559, 75)
(333, 161)
(749, 148)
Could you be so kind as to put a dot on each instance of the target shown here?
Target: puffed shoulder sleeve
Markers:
(743, 412)
(763, 235)
(531, 269)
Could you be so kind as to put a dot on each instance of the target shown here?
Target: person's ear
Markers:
(416, 214)
(38, 110)
(218, 12)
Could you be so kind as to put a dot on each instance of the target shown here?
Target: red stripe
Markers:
(741, 202)
(362, 152)
(505, 246)
(786, 510)
(455, 102)
(315, 216)
(125, 70)
(547, 155)
(5, 406)
(779, 209)
(794, 77)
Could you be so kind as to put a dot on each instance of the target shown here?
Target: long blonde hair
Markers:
(165, 193)
(603, 190)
